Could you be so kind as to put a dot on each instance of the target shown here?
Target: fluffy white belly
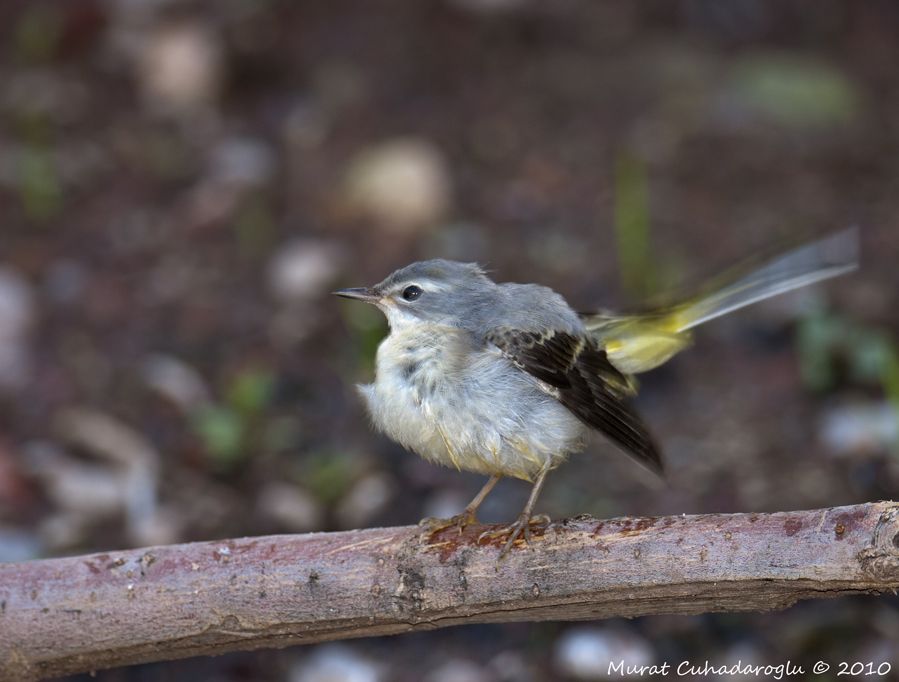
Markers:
(469, 409)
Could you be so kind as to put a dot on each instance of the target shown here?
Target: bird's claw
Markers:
(520, 529)
(434, 525)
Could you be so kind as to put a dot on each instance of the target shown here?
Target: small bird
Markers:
(508, 380)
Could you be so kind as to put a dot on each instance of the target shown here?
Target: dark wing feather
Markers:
(585, 382)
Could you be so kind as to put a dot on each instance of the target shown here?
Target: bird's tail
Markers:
(639, 343)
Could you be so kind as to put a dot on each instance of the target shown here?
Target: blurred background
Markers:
(182, 184)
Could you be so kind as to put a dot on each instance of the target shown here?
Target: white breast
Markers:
(459, 405)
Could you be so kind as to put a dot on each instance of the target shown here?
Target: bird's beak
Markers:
(365, 294)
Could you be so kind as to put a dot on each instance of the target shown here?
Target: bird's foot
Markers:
(433, 526)
(520, 529)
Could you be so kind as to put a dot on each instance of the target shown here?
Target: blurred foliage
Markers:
(37, 33)
(891, 377)
(281, 434)
(833, 347)
(369, 327)
(254, 225)
(796, 91)
(221, 431)
(39, 186)
(250, 391)
(632, 228)
(228, 430)
(327, 475)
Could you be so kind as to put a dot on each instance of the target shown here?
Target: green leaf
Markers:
(818, 335)
(327, 475)
(796, 91)
(369, 328)
(39, 184)
(250, 391)
(870, 354)
(632, 227)
(891, 379)
(222, 431)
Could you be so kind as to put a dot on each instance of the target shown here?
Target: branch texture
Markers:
(76, 614)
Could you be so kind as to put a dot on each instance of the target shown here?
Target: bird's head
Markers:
(428, 292)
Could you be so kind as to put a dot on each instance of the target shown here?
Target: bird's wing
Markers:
(583, 379)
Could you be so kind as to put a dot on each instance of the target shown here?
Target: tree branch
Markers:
(76, 614)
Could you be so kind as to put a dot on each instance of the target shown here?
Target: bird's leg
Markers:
(522, 527)
(468, 515)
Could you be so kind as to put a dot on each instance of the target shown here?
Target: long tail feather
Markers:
(832, 256)
(638, 343)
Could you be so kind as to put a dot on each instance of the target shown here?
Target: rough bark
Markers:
(83, 613)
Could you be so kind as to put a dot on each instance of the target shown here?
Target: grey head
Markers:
(434, 291)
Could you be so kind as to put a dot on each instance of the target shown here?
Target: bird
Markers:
(508, 380)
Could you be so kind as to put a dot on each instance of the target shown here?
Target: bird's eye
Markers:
(411, 292)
